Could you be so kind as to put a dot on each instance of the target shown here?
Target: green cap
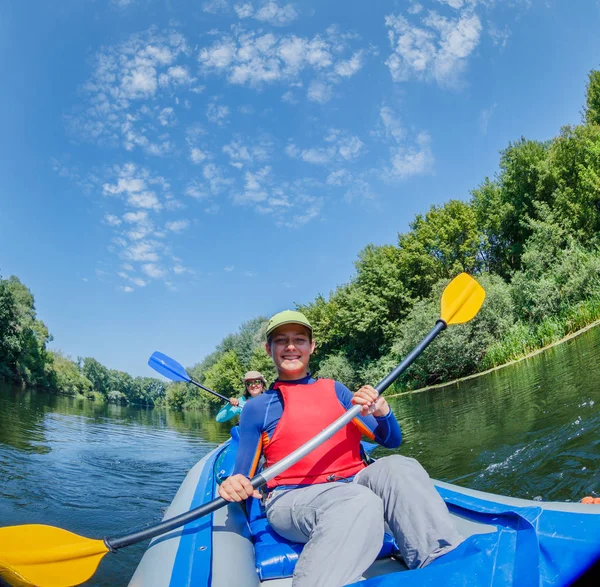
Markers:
(288, 317)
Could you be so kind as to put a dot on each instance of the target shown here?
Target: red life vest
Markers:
(307, 409)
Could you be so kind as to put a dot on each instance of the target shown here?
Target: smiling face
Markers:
(290, 350)
(255, 387)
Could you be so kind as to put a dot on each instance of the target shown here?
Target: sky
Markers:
(172, 168)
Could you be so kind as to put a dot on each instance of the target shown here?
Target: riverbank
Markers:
(498, 367)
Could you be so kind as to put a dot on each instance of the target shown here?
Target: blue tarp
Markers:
(532, 547)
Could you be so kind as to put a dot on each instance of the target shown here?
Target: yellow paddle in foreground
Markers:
(35, 555)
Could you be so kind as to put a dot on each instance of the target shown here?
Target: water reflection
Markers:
(529, 430)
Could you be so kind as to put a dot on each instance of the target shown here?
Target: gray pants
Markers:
(342, 524)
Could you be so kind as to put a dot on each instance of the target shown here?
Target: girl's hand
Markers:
(371, 403)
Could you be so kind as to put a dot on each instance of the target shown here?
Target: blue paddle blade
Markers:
(168, 367)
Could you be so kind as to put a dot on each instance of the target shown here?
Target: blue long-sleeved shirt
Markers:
(227, 412)
(260, 418)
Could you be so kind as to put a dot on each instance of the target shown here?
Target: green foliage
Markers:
(225, 376)
(69, 379)
(339, 368)
(23, 353)
(10, 347)
(558, 272)
(592, 110)
(573, 174)
(261, 362)
(458, 352)
(440, 245)
(98, 374)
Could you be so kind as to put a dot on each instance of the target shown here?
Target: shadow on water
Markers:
(529, 430)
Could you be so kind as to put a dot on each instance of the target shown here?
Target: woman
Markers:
(254, 385)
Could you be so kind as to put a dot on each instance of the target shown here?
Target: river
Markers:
(529, 430)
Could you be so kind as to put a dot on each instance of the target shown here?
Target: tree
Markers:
(98, 374)
(574, 172)
(592, 110)
(10, 346)
(225, 376)
(522, 185)
(338, 367)
(26, 336)
(440, 244)
(260, 361)
(68, 378)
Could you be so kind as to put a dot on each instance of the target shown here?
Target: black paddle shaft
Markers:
(208, 390)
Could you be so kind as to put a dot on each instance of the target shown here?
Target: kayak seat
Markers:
(276, 557)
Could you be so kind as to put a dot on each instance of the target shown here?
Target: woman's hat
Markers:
(254, 375)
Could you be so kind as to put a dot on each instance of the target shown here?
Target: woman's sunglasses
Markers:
(253, 382)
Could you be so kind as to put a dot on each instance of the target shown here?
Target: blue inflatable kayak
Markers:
(510, 542)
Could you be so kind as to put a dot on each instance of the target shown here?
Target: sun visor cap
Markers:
(288, 317)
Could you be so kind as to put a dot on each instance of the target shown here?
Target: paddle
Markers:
(173, 370)
(27, 560)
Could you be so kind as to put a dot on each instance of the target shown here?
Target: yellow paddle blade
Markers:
(461, 299)
(34, 555)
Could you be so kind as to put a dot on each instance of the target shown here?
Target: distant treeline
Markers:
(531, 236)
(24, 358)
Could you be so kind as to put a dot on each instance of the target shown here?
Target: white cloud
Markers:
(255, 190)
(392, 126)
(350, 147)
(112, 220)
(319, 91)
(499, 36)
(410, 153)
(132, 182)
(177, 225)
(122, 3)
(154, 271)
(145, 251)
(276, 15)
(484, 118)
(127, 288)
(124, 94)
(229, 268)
(132, 217)
(244, 10)
(412, 160)
(269, 12)
(256, 59)
(195, 190)
(132, 279)
(350, 67)
(241, 153)
(341, 146)
(215, 6)
(438, 49)
(217, 113)
(144, 200)
(198, 155)
(339, 177)
(167, 117)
